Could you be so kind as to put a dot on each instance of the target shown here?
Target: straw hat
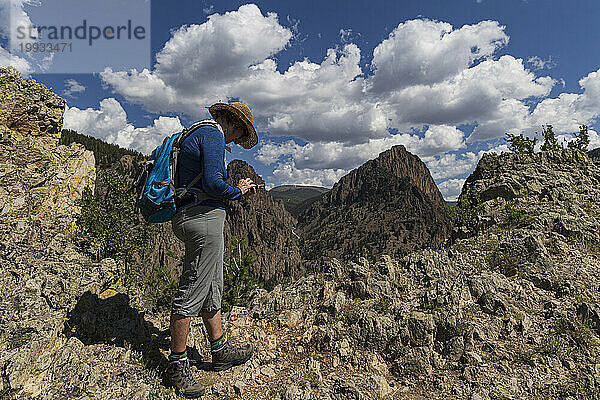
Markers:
(244, 114)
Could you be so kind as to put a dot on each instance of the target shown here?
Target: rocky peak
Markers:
(395, 163)
(388, 205)
(29, 108)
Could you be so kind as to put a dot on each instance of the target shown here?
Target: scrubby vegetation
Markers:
(108, 215)
(238, 280)
(520, 143)
(467, 209)
(523, 144)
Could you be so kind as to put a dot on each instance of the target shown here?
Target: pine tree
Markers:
(582, 140)
(520, 144)
(550, 141)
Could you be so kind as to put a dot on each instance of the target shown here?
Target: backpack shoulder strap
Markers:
(185, 133)
(188, 131)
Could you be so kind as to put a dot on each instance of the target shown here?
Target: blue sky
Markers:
(334, 83)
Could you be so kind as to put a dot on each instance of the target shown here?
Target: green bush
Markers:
(239, 282)
(582, 140)
(506, 259)
(550, 142)
(109, 217)
(467, 209)
(514, 217)
(351, 312)
(555, 344)
(162, 286)
(520, 144)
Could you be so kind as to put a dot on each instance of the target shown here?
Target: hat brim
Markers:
(252, 136)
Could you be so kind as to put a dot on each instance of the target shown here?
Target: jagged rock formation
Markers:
(267, 226)
(42, 271)
(389, 205)
(40, 181)
(68, 326)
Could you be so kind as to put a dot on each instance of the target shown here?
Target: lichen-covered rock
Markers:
(554, 190)
(40, 181)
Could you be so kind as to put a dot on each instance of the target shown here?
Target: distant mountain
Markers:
(293, 195)
(389, 205)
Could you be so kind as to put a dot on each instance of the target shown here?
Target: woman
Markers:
(199, 224)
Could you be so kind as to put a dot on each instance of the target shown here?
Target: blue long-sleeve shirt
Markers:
(204, 151)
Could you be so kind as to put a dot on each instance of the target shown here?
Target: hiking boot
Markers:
(230, 356)
(180, 377)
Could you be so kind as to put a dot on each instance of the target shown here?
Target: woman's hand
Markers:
(247, 186)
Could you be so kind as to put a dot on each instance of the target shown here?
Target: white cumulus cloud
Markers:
(337, 155)
(21, 64)
(109, 123)
(422, 51)
(288, 174)
(569, 110)
(426, 79)
(13, 9)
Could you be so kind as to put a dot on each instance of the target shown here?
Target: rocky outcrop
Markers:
(389, 205)
(266, 225)
(43, 273)
(554, 190)
(40, 182)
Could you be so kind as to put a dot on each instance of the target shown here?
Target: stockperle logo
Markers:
(82, 36)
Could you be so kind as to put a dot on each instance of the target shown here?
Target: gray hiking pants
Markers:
(201, 282)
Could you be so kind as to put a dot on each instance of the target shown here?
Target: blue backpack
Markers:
(155, 185)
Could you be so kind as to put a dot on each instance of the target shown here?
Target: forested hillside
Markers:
(106, 154)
